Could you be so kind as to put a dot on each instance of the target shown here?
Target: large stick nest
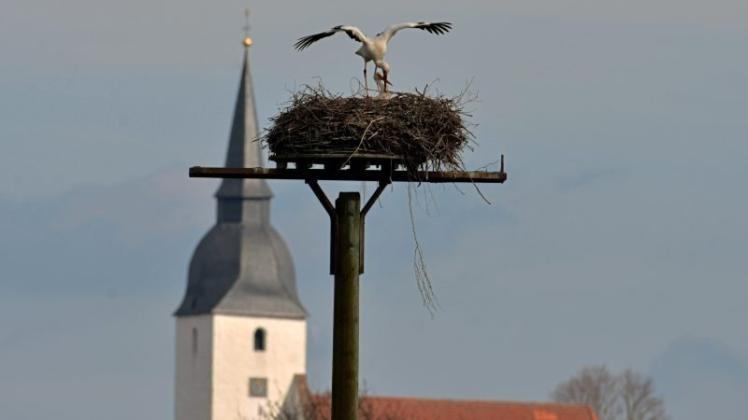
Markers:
(427, 133)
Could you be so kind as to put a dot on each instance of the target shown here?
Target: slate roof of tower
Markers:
(242, 265)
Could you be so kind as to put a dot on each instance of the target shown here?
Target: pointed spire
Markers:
(244, 145)
(242, 266)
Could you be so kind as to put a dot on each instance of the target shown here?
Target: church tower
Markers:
(240, 329)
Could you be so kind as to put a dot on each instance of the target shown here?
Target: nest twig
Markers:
(426, 132)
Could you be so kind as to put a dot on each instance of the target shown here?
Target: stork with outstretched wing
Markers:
(373, 49)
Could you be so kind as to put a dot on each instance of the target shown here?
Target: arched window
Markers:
(260, 338)
(194, 341)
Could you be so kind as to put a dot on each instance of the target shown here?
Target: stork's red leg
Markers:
(366, 81)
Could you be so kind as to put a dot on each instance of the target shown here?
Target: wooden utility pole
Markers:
(345, 324)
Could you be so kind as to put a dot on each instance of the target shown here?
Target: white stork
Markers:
(373, 49)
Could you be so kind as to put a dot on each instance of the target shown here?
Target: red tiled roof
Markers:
(396, 408)
(317, 407)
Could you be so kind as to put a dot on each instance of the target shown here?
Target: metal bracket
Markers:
(330, 209)
(367, 207)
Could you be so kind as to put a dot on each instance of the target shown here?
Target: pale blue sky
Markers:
(620, 237)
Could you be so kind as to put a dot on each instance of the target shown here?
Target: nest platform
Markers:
(338, 161)
(382, 174)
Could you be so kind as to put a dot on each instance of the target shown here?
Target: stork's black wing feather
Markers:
(306, 41)
(353, 32)
(436, 28)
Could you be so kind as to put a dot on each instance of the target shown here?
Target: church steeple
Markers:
(242, 265)
(244, 145)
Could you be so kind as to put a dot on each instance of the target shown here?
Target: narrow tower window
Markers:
(194, 341)
(260, 339)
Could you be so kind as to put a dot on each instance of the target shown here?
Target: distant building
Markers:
(241, 329)
(309, 406)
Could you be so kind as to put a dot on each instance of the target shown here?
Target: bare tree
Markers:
(594, 386)
(628, 396)
(637, 397)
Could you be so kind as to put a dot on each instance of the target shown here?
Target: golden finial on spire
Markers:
(247, 40)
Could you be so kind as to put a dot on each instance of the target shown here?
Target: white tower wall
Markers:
(214, 382)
